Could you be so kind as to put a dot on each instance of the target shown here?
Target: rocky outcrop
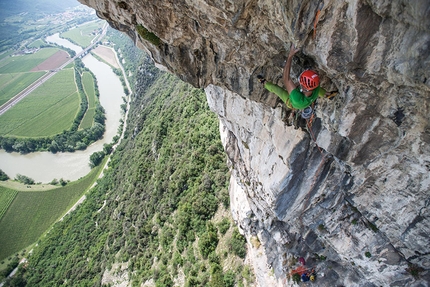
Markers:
(349, 193)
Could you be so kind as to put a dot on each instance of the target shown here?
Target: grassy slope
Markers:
(165, 184)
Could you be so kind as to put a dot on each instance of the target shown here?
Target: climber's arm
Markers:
(289, 84)
(322, 93)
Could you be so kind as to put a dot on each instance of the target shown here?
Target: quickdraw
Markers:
(317, 17)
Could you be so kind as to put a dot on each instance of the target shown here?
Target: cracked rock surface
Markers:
(351, 193)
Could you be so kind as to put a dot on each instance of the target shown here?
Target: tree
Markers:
(3, 175)
(96, 158)
(24, 179)
(237, 243)
(208, 241)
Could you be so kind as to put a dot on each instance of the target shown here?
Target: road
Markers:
(9, 104)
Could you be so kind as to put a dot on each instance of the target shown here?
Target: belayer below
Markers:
(296, 96)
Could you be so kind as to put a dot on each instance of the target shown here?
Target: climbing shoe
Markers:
(261, 79)
(331, 95)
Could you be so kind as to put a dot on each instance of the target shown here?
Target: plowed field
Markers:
(53, 62)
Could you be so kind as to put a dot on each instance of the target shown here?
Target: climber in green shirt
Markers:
(296, 96)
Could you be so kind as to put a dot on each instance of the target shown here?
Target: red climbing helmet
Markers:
(309, 80)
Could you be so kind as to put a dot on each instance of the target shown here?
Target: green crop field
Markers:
(82, 35)
(47, 111)
(88, 119)
(32, 213)
(25, 63)
(6, 197)
(12, 84)
(5, 54)
(37, 44)
(88, 84)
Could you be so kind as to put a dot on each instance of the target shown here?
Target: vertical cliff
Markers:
(349, 193)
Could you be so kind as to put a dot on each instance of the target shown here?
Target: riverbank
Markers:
(45, 166)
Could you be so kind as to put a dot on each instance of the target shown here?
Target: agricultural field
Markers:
(6, 197)
(12, 84)
(36, 44)
(53, 62)
(5, 54)
(48, 110)
(88, 84)
(84, 34)
(25, 63)
(32, 213)
(107, 55)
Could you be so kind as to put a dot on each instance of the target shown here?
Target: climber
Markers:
(296, 96)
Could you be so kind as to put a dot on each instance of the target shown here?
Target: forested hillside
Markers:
(160, 212)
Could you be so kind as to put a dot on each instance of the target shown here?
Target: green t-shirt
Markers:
(300, 101)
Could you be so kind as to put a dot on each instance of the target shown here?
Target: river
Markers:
(45, 166)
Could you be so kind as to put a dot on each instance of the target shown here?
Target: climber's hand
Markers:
(293, 50)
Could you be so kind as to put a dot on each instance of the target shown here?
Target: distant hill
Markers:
(9, 8)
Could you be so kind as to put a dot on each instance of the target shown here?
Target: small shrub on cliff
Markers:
(414, 270)
(223, 226)
(149, 36)
(237, 243)
(296, 278)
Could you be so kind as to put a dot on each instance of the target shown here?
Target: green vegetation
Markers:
(320, 257)
(6, 197)
(25, 63)
(367, 254)
(32, 213)
(237, 243)
(153, 209)
(148, 36)
(414, 270)
(224, 225)
(47, 111)
(49, 118)
(83, 34)
(9, 268)
(3, 176)
(12, 84)
(37, 44)
(24, 179)
(372, 226)
(89, 89)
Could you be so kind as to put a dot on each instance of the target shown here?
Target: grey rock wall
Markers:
(356, 182)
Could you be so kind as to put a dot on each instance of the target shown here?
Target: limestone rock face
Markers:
(350, 193)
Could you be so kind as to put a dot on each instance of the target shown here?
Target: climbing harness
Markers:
(307, 113)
